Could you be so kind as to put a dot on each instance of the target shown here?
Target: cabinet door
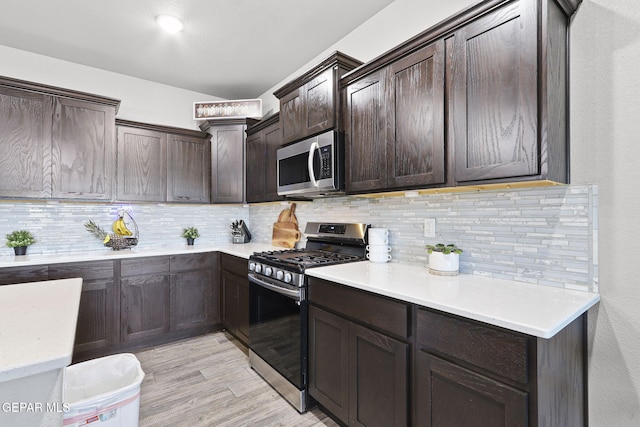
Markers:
(365, 124)
(243, 309)
(227, 163)
(292, 116)
(378, 370)
(191, 299)
(229, 301)
(25, 144)
(98, 312)
(416, 118)
(494, 102)
(329, 361)
(262, 164)
(449, 395)
(189, 169)
(145, 306)
(83, 150)
(142, 165)
(319, 104)
(256, 167)
(273, 141)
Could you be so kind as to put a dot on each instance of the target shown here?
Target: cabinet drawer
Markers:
(87, 270)
(12, 275)
(235, 264)
(495, 350)
(138, 266)
(364, 307)
(190, 262)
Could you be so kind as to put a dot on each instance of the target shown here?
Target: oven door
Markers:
(278, 328)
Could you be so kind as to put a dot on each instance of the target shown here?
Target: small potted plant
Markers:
(19, 240)
(444, 260)
(190, 233)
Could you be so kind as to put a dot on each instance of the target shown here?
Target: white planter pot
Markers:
(444, 265)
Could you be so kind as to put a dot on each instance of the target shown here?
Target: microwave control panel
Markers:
(325, 162)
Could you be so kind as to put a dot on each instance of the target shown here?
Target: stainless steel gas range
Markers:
(278, 304)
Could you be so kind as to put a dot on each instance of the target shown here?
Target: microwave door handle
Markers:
(312, 175)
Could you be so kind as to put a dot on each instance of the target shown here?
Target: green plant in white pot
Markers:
(444, 260)
(19, 240)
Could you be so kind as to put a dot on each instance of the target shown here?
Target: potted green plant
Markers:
(19, 240)
(444, 260)
(190, 233)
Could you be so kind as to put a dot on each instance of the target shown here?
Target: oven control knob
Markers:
(252, 266)
(268, 271)
(258, 268)
(287, 277)
(279, 274)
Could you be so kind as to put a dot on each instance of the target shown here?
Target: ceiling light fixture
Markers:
(169, 23)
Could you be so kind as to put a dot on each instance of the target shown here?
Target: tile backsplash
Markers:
(59, 226)
(544, 235)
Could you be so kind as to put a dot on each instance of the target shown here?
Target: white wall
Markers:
(605, 124)
(141, 100)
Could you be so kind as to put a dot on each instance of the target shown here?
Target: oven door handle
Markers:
(297, 295)
(312, 173)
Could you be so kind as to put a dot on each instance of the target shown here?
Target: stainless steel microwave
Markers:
(312, 167)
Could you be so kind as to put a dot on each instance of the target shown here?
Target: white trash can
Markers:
(106, 389)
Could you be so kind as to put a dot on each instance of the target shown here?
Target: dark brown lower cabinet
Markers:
(449, 395)
(194, 291)
(235, 296)
(145, 306)
(374, 360)
(97, 327)
(468, 373)
(13, 275)
(356, 373)
(329, 361)
(144, 292)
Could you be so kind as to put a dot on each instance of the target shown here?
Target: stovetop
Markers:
(327, 244)
(300, 259)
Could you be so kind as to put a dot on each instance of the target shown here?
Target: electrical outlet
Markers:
(429, 227)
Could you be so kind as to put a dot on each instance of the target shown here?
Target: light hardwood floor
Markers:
(207, 381)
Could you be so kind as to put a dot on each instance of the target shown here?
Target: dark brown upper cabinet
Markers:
(494, 97)
(83, 150)
(479, 98)
(160, 163)
(56, 143)
(227, 162)
(309, 104)
(142, 165)
(189, 173)
(263, 141)
(395, 122)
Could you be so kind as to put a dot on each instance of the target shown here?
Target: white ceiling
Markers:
(229, 48)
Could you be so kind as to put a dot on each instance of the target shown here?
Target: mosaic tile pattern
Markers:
(59, 226)
(545, 235)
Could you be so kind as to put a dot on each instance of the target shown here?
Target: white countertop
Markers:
(537, 310)
(37, 326)
(240, 250)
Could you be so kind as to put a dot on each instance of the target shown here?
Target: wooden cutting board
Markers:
(285, 230)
